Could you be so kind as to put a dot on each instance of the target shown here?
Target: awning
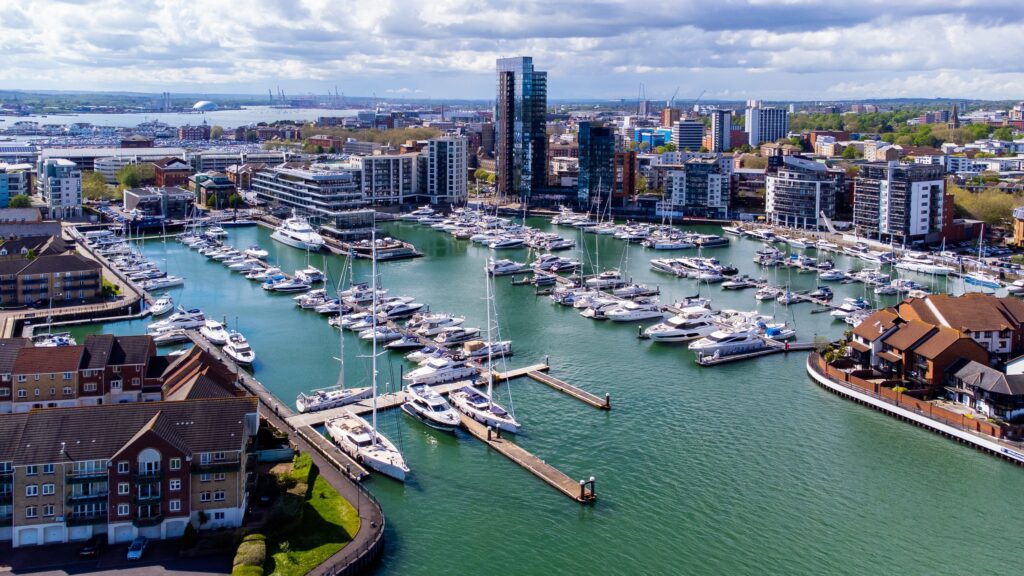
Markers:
(890, 357)
(859, 346)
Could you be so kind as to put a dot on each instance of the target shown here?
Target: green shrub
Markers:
(190, 537)
(251, 552)
(247, 571)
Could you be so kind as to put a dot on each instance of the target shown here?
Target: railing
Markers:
(214, 467)
(148, 477)
(148, 521)
(85, 519)
(142, 499)
(87, 498)
(85, 477)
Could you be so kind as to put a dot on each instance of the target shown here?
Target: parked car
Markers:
(91, 548)
(138, 546)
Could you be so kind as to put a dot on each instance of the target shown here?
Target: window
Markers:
(219, 477)
(5, 392)
(48, 510)
(48, 489)
(22, 393)
(218, 495)
(204, 496)
(219, 456)
(204, 458)
(89, 387)
(218, 515)
(21, 378)
(31, 512)
(135, 381)
(37, 392)
(174, 505)
(204, 477)
(47, 468)
(31, 470)
(117, 369)
(122, 488)
(175, 484)
(122, 467)
(31, 490)
(67, 391)
(67, 375)
(175, 463)
(122, 509)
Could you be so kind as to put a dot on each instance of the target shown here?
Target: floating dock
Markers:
(581, 491)
(570, 390)
(773, 348)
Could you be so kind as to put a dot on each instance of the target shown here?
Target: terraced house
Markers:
(61, 279)
(125, 470)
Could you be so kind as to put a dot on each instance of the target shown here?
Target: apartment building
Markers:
(765, 123)
(996, 324)
(688, 135)
(901, 202)
(444, 175)
(802, 192)
(700, 189)
(126, 470)
(199, 132)
(59, 278)
(520, 120)
(171, 171)
(15, 179)
(59, 183)
(319, 191)
(387, 178)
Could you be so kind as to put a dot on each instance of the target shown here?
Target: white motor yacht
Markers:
(380, 334)
(504, 267)
(505, 243)
(849, 306)
(297, 232)
(738, 283)
(289, 285)
(607, 279)
(426, 405)
(310, 275)
(333, 397)
(727, 342)
(214, 332)
(481, 407)
(162, 305)
(255, 251)
(184, 319)
(438, 370)
(634, 312)
(161, 283)
(832, 275)
(262, 274)
(433, 324)
(453, 335)
(238, 349)
(690, 324)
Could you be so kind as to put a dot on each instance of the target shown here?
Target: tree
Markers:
(849, 153)
(234, 200)
(1005, 133)
(19, 201)
(480, 174)
(94, 186)
(703, 149)
(670, 147)
(216, 132)
(991, 206)
(211, 201)
(641, 185)
(135, 175)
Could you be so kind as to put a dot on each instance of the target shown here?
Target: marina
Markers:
(719, 419)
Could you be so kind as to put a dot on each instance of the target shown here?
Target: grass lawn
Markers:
(328, 523)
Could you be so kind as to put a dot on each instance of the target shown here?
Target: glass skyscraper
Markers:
(596, 155)
(520, 135)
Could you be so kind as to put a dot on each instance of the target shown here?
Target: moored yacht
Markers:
(426, 405)
(297, 232)
(438, 370)
(238, 349)
(214, 332)
(357, 438)
(727, 342)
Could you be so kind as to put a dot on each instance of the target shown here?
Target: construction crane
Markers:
(671, 102)
(702, 93)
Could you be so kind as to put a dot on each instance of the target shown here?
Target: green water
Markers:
(745, 468)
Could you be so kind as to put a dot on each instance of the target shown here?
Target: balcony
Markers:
(148, 477)
(148, 521)
(94, 497)
(86, 519)
(6, 521)
(6, 498)
(143, 500)
(215, 467)
(86, 477)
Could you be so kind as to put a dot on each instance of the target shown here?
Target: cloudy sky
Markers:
(734, 49)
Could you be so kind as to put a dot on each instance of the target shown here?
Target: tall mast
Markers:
(490, 342)
(341, 330)
(373, 328)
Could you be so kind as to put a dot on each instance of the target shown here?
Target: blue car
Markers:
(137, 547)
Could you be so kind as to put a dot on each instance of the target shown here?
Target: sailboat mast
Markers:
(490, 342)
(373, 328)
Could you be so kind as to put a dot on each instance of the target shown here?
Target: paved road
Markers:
(63, 560)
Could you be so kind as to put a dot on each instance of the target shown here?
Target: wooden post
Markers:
(607, 401)
(488, 433)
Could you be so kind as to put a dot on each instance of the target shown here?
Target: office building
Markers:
(318, 192)
(596, 153)
(219, 161)
(520, 136)
(801, 193)
(171, 202)
(445, 175)
(687, 135)
(765, 124)
(670, 116)
(200, 132)
(721, 131)
(15, 179)
(901, 202)
(171, 172)
(59, 183)
(700, 189)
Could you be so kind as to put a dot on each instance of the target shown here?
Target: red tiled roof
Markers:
(44, 360)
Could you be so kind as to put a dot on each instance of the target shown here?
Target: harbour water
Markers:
(745, 468)
(225, 118)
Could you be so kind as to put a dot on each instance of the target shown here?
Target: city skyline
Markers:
(730, 50)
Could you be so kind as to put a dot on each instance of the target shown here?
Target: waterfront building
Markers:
(802, 192)
(995, 323)
(171, 171)
(901, 202)
(199, 132)
(443, 171)
(22, 222)
(127, 470)
(765, 123)
(1018, 226)
(241, 174)
(15, 179)
(86, 158)
(721, 131)
(219, 161)
(387, 178)
(170, 202)
(58, 278)
(319, 192)
(596, 168)
(688, 135)
(624, 182)
(59, 183)
(700, 189)
(209, 185)
(988, 391)
(520, 118)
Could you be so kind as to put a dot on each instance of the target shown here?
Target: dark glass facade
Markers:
(520, 135)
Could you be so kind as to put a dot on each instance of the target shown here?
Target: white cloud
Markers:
(796, 49)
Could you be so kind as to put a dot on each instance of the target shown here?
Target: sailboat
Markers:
(480, 406)
(337, 395)
(359, 438)
(979, 278)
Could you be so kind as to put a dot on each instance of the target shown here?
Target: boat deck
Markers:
(580, 491)
(773, 348)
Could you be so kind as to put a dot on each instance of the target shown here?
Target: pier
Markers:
(772, 348)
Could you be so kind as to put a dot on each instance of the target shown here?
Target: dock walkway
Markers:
(773, 348)
(582, 491)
